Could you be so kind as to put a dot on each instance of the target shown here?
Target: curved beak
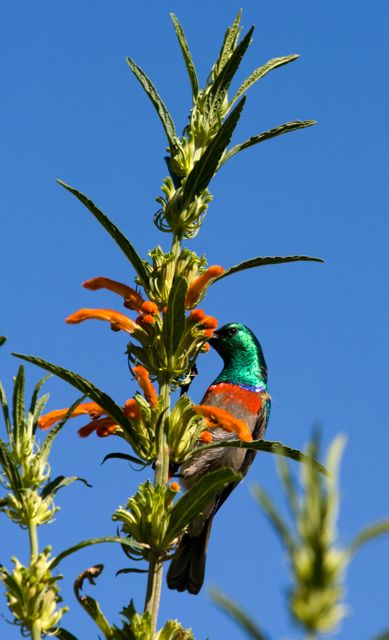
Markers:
(213, 341)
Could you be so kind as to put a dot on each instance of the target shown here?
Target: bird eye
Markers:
(232, 331)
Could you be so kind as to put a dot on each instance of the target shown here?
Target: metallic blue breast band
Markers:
(244, 386)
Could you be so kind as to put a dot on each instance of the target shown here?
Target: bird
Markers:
(241, 389)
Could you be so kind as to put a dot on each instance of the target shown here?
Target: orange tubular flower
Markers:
(209, 322)
(132, 299)
(197, 315)
(206, 437)
(206, 347)
(174, 486)
(103, 426)
(143, 379)
(149, 307)
(217, 417)
(198, 285)
(90, 408)
(131, 410)
(144, 320)
(118, 320)
(208, 333)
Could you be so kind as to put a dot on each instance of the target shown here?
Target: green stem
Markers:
(34, 550)
(161, 477)
(155, 574)
(33, 535)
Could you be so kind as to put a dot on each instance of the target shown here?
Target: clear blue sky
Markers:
(71, 109)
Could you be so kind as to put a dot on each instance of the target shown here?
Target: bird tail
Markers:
(187, 569)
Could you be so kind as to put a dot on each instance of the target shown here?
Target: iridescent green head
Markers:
(242, 355)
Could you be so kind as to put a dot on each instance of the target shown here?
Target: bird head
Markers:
(237, 345)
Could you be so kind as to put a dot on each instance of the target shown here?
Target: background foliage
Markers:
(73, 111)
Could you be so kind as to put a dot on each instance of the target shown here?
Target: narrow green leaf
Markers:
(130, 570)
(260, 73)
(198, 498)
(40, 404)
(2, 340)
(275, 518)
(263, 261)
(238, 615)
(155, 98)
(267, 135)
(89, 543)
(270, 446)
(10, 470)
(63, 634)
(51, 488)
(54, 431)
(35, 393)
(92, 608)
(186, 55)
(174, 321)
(4, 405)
(205, 168)
(18, 408)
(223, 80)
(368, 534)
(115, 233)
(85, 386)
(124, 456)
(230, 41)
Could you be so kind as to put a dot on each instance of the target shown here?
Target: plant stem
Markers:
(34, 550)
(155, 574)
(161, 477)
(33, 535)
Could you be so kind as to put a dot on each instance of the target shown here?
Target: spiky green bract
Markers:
(134, 626)
(317, 561)
(196, 156)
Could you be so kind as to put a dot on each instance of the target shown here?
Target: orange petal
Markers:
(102, 426)
(206, 347)
(208, 333)
(197, 315)
(132, 298)
(143, 379)
(91, 408)
(209, 322)
(149, 307)
(205, 436)
(132, 410)
(117, 320)
(174, 486)
(217, 417)
(145, 319)
(198, 285)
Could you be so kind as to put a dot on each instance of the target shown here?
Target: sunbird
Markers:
(241, 389)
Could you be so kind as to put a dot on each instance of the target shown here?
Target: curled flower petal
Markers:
(132, 410)
(103, 427)
(149, 307)
(118, 320)
(197, 315)
(217, 417)
(50, 418)
(209, 322)
(144, 320)
(143, 379)
(198, 285)
(132, 299)
(206, 437)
